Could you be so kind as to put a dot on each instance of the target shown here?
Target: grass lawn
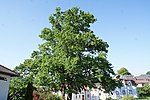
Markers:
(147, 98)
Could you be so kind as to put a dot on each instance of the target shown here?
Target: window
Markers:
(130, 91)
(123, 92)
(3, 78)
(129, 83)
(117, 93)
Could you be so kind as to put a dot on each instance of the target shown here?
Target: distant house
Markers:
(130, 78)
(88, 94)
(142, 79)
(5, 75)
(138, 81)
(130, 84)
(128, 88)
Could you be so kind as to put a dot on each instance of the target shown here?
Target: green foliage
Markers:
(22, 85)
(143, 98)
(49, 96)
(70, 57)
(148, 73)
(144, 91)
(123, 71)
(17, 89)
(128, 98)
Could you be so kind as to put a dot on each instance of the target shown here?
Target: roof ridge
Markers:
(8, 71)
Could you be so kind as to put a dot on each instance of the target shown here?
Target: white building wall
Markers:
(96, 94)
(125, 90)
(139, 85)
(92, 94)
(4, 86)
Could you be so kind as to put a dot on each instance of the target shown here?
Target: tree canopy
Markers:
(148, 73)
(123, 71)
(71, 56)
(21, 87)
(144, 91)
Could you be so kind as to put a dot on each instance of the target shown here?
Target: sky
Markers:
(123, 24)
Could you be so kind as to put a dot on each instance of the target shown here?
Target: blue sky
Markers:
(124, 24)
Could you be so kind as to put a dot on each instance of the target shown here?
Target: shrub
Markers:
(144, 91)
(49, 96)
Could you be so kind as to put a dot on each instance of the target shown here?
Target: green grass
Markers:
(144, 98)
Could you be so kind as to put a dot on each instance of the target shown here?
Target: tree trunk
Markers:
(63, 92)
(29, 90)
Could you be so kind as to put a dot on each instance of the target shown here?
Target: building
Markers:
(138, 81)
(142, 79)
(130, 84)
(5, 75)
(129, 87)
(88, 94)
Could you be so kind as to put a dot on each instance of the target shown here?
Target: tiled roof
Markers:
(6, 71)
(142, 79)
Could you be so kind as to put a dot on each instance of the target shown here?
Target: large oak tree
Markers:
(71, 55)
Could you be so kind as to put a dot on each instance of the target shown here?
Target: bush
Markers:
(49, 96)
(128, 98)
(144, 91)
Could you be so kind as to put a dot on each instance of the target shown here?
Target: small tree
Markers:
(17, 89)
(123, 71)
(144, 91)
(21, 87)
(148, 73)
